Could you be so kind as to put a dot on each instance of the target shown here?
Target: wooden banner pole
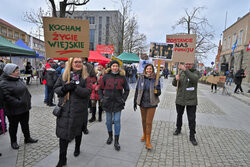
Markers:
(178, 73)
(158, 74)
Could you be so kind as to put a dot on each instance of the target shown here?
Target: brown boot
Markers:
(143, 137)
(148, 144)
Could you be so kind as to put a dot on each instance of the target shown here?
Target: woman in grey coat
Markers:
(74, 98)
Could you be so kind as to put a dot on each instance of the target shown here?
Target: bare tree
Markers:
(134, 41)
(193, 23)
(129, 38)
(64, 7)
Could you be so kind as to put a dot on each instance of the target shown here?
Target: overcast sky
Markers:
(155, 17)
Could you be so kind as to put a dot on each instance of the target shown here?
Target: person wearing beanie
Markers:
(51, 77)
(100, 71)
(17, 103)
(113, 93)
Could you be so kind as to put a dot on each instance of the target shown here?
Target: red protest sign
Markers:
(105, 49)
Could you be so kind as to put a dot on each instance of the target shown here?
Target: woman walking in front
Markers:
(113, 92)
(74, 98)
(147, 97)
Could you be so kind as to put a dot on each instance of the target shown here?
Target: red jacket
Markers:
(47, 65)
(95, 87)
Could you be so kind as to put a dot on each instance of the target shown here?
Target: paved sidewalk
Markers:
(223, 135)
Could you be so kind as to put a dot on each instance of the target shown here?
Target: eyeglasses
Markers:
(77, 62)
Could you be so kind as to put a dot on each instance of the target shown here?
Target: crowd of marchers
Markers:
(79, 85)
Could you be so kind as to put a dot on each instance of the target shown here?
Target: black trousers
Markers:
(13, 125)
(50, 94)
(86, 115)
(191, 114)
(214, 86)
(28, 81)
(63, 144)
(238, 86)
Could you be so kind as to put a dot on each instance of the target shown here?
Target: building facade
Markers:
(37, 45)
(12, 33)
(104, 27)
(237, 35)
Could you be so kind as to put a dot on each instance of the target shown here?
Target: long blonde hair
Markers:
(66, 73)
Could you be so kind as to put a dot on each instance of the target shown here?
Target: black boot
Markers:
(78, 140)
(30, 140)
(63, 144)
(62, 161)
(100, 114)
(193, 140)
(116, 144)
(15, 146)
(110, 139)
(93, 111)
(177, 132)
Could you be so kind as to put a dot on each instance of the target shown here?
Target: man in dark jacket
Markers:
(91, 80)
(60, 68)
(240, 74)
(113, 93)
(51, 77)
(186, 97)
(28, 70)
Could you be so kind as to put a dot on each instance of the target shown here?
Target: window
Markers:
(91, 39)
(229, 42)
(240, 37)
(224, 44)
(10, 33)
(91, 20)
(16, 35)
(4, 31)
(234, 38)
(78, 17)
(100, 31)
(107, 30)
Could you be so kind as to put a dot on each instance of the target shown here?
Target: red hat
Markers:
(51, 61)
(102, 63)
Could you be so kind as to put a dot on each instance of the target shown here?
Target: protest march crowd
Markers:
(104, 88)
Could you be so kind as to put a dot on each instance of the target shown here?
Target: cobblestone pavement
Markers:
(42, 126)
(216, 147)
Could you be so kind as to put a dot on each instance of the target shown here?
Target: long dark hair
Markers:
(144, 70)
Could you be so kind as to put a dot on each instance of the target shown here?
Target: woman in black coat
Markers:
(113, 93)
(240, 74)
(74, 99)
(17, 103)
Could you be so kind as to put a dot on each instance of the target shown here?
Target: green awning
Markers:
(9, 49)
(129, 57)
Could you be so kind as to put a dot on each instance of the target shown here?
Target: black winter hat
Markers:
(113, 62)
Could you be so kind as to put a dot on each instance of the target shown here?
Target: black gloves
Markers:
(158, 92)
(68, 87)
(135, 106)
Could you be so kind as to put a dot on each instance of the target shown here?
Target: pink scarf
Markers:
(2, 120)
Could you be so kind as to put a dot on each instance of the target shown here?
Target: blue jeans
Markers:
(46, 93)
(117, 121)
(229, 80)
